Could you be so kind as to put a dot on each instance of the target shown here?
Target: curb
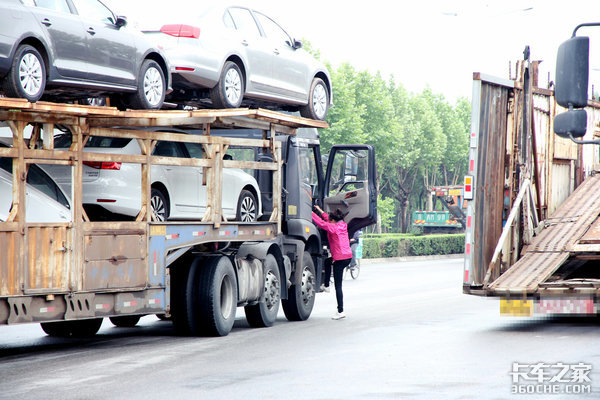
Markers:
(411, 258)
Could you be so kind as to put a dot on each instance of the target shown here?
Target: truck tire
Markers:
(125, 321)
(205, 302)
(80, 328)
(179, 311)
(57, 329)
(301, 295)
(264, 313)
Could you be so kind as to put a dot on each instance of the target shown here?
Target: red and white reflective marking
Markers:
(225, 233)
(154, 301)
(198, 233)
(102, 306)
(259, 232)
(466, 276)
(47, 310)
(171, 237)
(129, 303)
(154, 264)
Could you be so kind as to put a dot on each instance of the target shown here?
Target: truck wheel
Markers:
(211, 297)
(27, 76)
(265, 313)
(318, 101)
(151, 87)
(247, 208)
(80, 328)
(229, 92)
(125, 321)
(86, 327)
(179, 312)
(301, 295)
(57, 329)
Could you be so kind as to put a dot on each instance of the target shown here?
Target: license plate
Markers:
(516, 308)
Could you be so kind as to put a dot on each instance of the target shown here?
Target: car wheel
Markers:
(229, 92)
(159, 204)
(318, 101)
(27, 76)
(93, 101)
(151, 88)
(247, 208)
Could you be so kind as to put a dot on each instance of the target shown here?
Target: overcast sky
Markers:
(439, 43)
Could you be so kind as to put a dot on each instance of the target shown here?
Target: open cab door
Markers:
(350, 185)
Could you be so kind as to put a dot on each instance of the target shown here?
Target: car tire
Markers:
(229, 92)
(27, 76)
(247, 207)
(264, 313)
(151, 87)
(159, 205)
(318, 101)
(93, 101)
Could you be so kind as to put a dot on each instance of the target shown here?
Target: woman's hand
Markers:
(319, 209)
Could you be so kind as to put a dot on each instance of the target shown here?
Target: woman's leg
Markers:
(327, 273)
(338, 276)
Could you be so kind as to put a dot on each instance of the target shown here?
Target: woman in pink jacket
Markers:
(337, 235)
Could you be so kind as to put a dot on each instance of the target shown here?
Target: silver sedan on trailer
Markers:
(234, 54)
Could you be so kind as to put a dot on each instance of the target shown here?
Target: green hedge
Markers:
(402, 245)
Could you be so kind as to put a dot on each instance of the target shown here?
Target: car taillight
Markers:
(179, 30)
(103, 164)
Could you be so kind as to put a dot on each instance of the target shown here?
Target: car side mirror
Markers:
(571, 123)
(297, 44)
(228, 157)
(121, 21)
(572, 65)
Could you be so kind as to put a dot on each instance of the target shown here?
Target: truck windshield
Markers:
(308, 168)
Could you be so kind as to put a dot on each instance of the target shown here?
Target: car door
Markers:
(111, 49)
(66, 36)
(289, 70)
(258, 52)
(350, 185)
(183, 183)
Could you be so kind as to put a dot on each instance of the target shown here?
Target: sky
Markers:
(435, 43)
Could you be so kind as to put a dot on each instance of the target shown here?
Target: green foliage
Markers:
(385, 207)
(420, 139)
(390, 245)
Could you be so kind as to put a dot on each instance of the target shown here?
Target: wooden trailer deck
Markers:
(572, 231)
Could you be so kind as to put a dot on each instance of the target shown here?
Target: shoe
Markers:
(339, 315)
(324, 288)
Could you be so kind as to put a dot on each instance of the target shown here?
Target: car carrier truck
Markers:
(533, 229)
(69, 275)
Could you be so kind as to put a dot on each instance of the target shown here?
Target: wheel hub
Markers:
(153, 86)
(272, 290)
(30, 74)
(308, 285)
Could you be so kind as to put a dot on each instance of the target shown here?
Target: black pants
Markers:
(338, 275)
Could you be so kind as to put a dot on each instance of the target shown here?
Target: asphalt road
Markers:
(410, 334)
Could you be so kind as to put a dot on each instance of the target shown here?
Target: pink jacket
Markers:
(337, 234)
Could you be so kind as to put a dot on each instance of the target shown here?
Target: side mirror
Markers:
(228, 157)
(572, 65)
(573, 122)
(121, 21)
(297, 44)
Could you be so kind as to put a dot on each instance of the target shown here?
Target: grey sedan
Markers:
(232, 54)
(77, 48)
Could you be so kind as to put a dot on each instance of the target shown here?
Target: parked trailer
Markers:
(532, 236)
(68, 276)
